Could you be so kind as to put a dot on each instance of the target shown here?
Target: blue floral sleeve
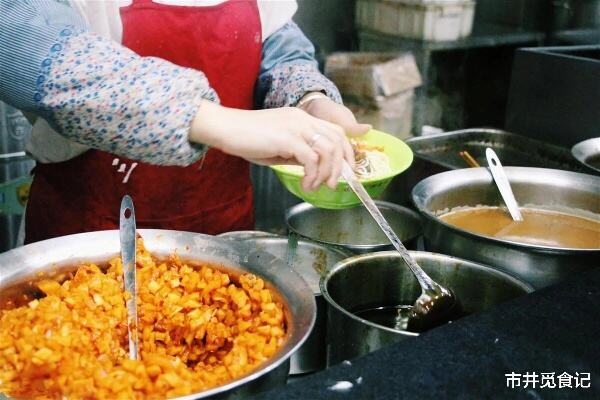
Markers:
(95, 91)
(289, 70)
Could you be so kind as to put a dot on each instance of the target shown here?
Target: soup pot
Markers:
(311, 261)
(354, 229)
(57, 256)
(383, 279)
(546, 189)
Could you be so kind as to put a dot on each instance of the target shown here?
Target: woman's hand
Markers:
(326, 109)
(276, 136)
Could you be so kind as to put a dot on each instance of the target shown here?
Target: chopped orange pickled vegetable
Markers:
(198, 328)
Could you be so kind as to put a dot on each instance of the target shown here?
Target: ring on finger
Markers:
(314, 139)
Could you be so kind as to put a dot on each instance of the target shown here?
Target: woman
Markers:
(139, 117)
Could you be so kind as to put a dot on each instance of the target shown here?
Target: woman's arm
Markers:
(100, 94)
(95, 91)
(289, 73)
(289, 70)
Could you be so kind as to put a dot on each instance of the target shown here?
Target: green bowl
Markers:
(400, 157)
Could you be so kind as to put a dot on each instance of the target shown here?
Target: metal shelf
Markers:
(483, 35)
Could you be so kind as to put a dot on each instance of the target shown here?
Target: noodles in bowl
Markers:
(379, 158)
(371, 162)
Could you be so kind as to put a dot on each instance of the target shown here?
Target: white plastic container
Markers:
(435, 20)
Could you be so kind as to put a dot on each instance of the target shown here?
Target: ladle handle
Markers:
(503, 184)
(347, 173)
(292, 246)
(128, 236)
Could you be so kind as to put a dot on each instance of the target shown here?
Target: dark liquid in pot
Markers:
(539, 227)
(395, 317)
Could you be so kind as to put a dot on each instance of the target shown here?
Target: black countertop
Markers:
(555, 329)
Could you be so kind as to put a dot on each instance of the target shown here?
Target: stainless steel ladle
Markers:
(128, 236)
(436, 304)
(503, 184)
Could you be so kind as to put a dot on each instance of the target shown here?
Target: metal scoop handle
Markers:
(127, 235)
(424, 279)
(503, 184)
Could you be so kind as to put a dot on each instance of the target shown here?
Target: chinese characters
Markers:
(548, 380)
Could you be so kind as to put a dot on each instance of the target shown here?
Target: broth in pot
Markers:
(539, 227)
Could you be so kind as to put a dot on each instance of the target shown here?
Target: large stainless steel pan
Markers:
(55, 256)
(311, 261)
(544, 188)
(439, 153)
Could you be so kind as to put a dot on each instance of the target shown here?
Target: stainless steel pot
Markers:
(59, 255)
(440, 152)
(382, 279)
(241, 235)
(587, 151)
(311, 261)
(541, 188)
(354, 228)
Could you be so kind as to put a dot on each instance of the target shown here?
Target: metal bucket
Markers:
(311, 261)
(39, 260)
(540, 188)
(354, 229)
(382, 279)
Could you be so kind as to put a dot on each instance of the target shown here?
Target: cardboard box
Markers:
(377, 87)
(372, 75)
(390, 114)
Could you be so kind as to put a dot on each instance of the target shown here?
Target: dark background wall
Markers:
(466, 87)
(329, 24)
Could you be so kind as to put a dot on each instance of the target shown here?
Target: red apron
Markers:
(83, 194)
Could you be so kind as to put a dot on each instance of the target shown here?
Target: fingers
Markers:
(342, 142)
(348, 151)
(342, 116)
(310, 159)
(332, 181)
(350, 126)
(332, 146)
(274, 161)
(357, 129)
(297, 137)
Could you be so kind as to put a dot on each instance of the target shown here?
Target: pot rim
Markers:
(526, 287)
(419, 201)
(303, 240)
(582, 151)
(245, 234)
(343, 253)
(405, 211)
(109, 240)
